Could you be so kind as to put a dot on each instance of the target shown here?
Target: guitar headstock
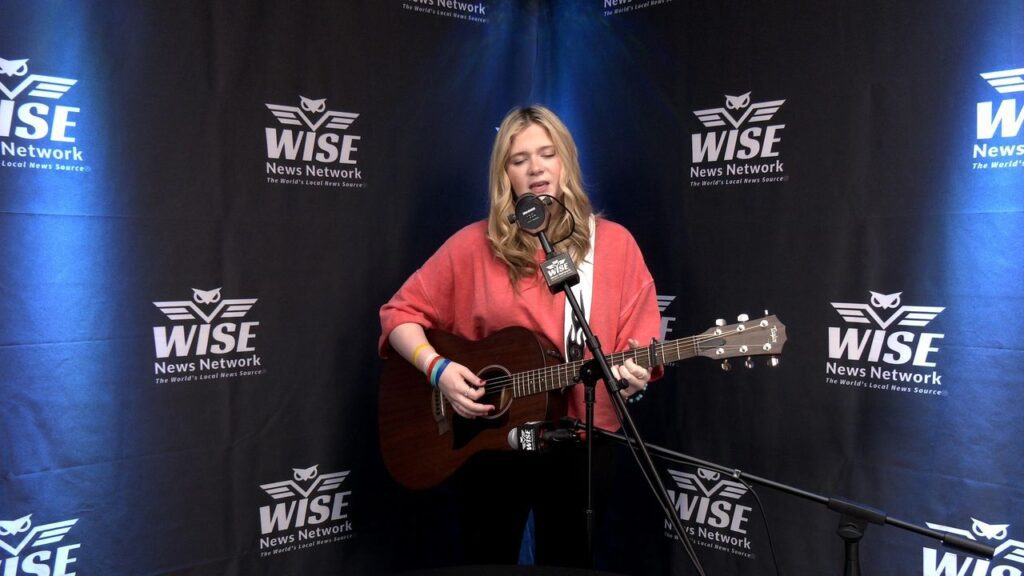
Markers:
(763, 336)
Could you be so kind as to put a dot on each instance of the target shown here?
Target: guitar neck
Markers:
(564, 375)
(747, 338)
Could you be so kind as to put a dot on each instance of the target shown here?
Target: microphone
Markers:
(538, 436)
(532, 216)
(531, 213)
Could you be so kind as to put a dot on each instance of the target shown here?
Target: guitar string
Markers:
(500, 383)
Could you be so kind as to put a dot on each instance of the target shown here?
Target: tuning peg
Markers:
(726, 366)
(773, 361)
(766, 312)
(749, 363)
(742, 318)
(720, 322)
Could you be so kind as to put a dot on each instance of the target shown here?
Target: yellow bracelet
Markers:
(416, 353)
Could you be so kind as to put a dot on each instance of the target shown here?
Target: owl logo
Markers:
(989, 531)
(314, 106)
(1012, 550)
(708, 474)
(737, 102)
(36, 535)
(708, 483)
(13, 67)
(12, 527)
(290, 488)
(303, 475)
(296, 115)
(860, 313)
(756, 112)
(188, 310)
(206, 296)
(885, 301)
(38, 85)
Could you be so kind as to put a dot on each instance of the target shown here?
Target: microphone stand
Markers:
(854, 516)
(562, 278)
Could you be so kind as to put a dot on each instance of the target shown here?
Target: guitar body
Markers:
(423, 441)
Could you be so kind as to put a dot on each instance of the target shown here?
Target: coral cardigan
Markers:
(464, 289)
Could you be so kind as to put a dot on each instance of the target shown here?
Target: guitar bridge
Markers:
(443, 425)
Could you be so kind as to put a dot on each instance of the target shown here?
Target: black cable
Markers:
(735, 474)
(666, 507)
(764, 519)
(572, 219)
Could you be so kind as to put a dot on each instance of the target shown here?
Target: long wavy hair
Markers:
(515, 248)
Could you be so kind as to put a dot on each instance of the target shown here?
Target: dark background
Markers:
(879, 195)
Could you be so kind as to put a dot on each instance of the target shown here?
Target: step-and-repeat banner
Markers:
(202, 207)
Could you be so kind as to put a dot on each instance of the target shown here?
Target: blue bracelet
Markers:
(435, 374)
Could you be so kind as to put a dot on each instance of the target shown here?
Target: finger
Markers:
(621, 373)
(476, 391)
(636, 370)
(633, 343)
(470, 395)
(629, 370)
(472, 386)
(461, 411)
(617, 371)
(473, 395)
(456, 399)
(462, 384)
(478, 409)
(471, 378)
(467, 376)
(641, 374)
(632, 383)
(466, 408)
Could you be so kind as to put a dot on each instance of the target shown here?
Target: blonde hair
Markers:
(515, 248)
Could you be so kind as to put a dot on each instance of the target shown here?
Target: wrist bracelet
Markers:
(437, 368)
(416, 353)
(430, 366)
(638, 396)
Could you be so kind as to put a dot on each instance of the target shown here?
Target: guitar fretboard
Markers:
(747, 338)
(565, 375)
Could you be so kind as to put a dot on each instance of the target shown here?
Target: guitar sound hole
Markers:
(499, 389)
(500, 396)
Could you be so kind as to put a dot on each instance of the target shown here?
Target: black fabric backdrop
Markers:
(189, 294)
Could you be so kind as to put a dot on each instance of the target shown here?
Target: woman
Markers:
(485, 278)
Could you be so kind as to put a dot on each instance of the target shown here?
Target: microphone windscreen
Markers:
(513, 438)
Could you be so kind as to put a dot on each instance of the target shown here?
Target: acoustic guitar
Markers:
(423, 441)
